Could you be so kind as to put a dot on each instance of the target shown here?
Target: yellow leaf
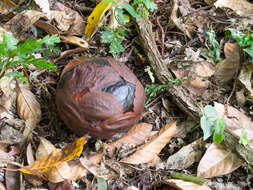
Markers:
(96, 16)
(55, 158)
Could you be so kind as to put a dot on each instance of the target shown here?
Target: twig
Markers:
(228, 100)
(162, 37)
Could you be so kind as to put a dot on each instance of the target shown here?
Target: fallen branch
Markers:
(180, 95)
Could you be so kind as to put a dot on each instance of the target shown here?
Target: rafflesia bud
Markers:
(99, 96)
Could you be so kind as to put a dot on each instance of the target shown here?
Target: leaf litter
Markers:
(132, 158)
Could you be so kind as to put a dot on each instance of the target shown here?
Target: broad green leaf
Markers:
(244, 138)
(241, 38)
(50, 40)
(96, 16)
(150, 4)
(210, 112)
(207, 127)
(101, 183)
(219, 131)
(41, 63)
(120, 15)
(8, 45)
(249, 50)
(130, 10)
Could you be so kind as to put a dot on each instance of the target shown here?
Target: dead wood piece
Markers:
(181, 96)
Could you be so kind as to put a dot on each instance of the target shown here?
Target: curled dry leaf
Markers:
(48, 162)
(67, 19)
(28, 18)
(35, 180)
(218, 161)
(241, 7)
(47, 27)
(151, 149)
(76, 41)
(184, 185)
(192, 152)
(227, 68)
(28, 108)
(135, 136)
(236, 122)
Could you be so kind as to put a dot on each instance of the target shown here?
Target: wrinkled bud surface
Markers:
(99, 96)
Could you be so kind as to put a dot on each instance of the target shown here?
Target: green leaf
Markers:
(241, 38)
(50, 40)
(41, 63)
(150, 4)
(28, 47)
(20, 76)
(8, 45)
(215, 47)
(107, 36)
(153, 90)
(101, 183)
(210, 112)
(244, 138)
(207, 127)
(119, 12)
(130, 10)
(219, 131)
(114, 40)
(249, 50)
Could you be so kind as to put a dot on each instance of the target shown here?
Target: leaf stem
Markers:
(190, 178)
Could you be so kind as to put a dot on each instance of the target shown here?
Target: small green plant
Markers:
(244, 40)
(215, 47)
(114, 38)
(115, 35)
(143, 7)
(153, 90)
(211, 124)
(244, 138)
(13, 54)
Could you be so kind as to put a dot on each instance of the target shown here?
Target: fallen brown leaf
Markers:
(192, 152)
(226, 69)
(218, 161)
(76, 41)
(28, 108)
(65, 185)
(236, 121)
(134, 137)
(12, 178)
(183, 185)
(152, 148)
(241, 7)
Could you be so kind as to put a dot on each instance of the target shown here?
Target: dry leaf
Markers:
(28, 108)
(96, 169)
(152, 148)
(47, 27)
(198, 73)
(12, 178)
(55, 158)
(76, 41)
(192, 152)
(226, 69)
(183, 185)
(135, 136)
(218, 161)
(55, 174)
(245, 77)
(236, 122)
(20, 23)
(35, 180)
(241, 7)
(2, 187)
(68, 20)
(65, 185)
